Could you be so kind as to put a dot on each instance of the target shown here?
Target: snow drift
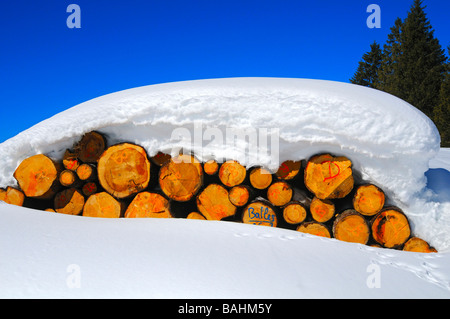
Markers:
(389, 141)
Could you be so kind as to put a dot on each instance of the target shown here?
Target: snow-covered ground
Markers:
(390, 143)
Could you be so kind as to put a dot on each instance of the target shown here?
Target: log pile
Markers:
(318, 196)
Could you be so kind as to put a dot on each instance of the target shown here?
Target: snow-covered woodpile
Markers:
(318, 195)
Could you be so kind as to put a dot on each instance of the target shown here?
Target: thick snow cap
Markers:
(254, 120)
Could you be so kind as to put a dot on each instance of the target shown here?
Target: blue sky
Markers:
(45, 67)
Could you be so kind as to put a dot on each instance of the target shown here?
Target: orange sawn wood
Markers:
(124, 170)
(12, 196)
(260, 178)
(38, 176)
(232, 173)
(239, 195)
(288, 169)
(294, 213)
(322, 210)
(181, 177)
(147, 204)
(260, 212)
(418, 245)
(368, 199)
(390, 227)
(279, 193)
(350, 226)
(213, 203)
(329, 177)
(90, 147)
(314, 228)
(102, 205)
(69, 201)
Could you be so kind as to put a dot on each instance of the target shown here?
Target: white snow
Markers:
(390, 143)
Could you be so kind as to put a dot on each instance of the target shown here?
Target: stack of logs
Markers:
(318, 196)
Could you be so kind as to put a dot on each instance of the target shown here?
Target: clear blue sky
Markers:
(45, 67)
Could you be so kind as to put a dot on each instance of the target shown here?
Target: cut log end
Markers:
(211, 167)
(161, 158)
(69, 201)
(260, 178)
(70, 161)
(329, 177)
(294, 213)
(239, 195)
(12, 196)
(89, 189)
(181, 178)
(390, 227)
(124, 170)
(38, 176)
(260, 213)
(195, 215)
(350, 226)
(232, 173)
(288, 170)
(279, 193)
(213, 203)
(147, 204)
(68, 178)
(368, 200)
(415, 244)
(90, 147)
(86, 172)
(322, 210)
(314, 228)
(102, 205)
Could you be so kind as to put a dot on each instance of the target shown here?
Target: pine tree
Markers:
(414, 64)
(442, 112)
(367, 72)
(389, 66)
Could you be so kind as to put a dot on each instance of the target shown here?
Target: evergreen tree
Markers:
(367, 72)
(389, 66)
(442, 112)
(414, 64)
